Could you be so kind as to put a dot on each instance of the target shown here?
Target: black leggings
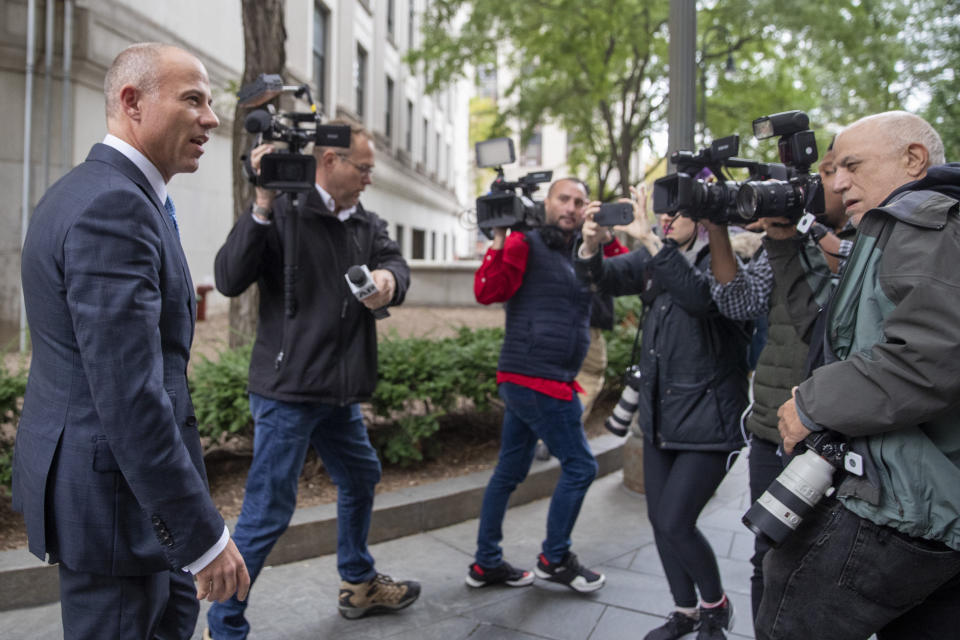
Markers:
(678, 484)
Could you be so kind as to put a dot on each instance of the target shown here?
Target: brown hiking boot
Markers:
(377, 595)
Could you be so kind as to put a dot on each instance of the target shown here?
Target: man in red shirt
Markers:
(547, 335)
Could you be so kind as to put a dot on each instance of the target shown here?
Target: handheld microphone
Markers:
(362, 285)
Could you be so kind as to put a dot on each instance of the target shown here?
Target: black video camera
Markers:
(290, 170)
(502, 207)
(784, 189)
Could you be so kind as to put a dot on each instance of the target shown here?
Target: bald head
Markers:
(902, 129)
(138, 66)
(877, 154)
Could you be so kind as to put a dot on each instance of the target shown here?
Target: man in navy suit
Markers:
(108, 470)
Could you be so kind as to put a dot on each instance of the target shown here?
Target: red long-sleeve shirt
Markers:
(498, 279)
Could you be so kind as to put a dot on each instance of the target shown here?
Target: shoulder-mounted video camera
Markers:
(784, 189)
(289, 170)
(502, 207)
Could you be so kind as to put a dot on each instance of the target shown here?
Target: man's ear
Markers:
(916, 160)
(327, 159)
(130, 102)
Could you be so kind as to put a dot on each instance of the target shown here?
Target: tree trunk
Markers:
(264, 38)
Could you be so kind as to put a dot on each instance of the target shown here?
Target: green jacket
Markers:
(894, 390)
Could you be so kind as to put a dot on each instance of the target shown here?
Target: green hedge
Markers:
(12, 386)
(421, 380)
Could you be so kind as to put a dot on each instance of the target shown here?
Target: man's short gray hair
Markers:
(903, 129)
(138, 66)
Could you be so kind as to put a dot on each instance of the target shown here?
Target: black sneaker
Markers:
(715, 620)
(504, 574)
(677, 626)
(569, 572)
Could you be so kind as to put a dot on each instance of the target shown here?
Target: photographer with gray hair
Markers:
(886, 545)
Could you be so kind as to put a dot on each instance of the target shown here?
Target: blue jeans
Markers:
(529, 416)
(841, 577)
(283, 431)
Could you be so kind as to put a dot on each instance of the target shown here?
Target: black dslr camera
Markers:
(502, 207)
(290, 170)
(784, 189)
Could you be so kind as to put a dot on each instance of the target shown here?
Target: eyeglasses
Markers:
(364, 169)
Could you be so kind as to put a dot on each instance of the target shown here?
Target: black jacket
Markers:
(328, 351)
(692, 360)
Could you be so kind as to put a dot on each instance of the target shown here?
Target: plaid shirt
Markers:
(747, 296)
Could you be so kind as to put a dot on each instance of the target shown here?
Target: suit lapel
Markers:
(109, 155)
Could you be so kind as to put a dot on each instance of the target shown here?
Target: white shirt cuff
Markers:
(201, 563)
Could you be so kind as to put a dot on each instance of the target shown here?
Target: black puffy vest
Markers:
(547, 332)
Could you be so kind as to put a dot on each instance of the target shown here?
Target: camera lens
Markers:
(765, 198)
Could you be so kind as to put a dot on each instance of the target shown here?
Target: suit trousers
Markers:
(161, 606)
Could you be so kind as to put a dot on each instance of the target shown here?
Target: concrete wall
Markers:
(442, 285)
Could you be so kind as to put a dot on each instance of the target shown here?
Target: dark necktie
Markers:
(172, 212)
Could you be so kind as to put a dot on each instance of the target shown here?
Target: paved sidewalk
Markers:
(298, 600)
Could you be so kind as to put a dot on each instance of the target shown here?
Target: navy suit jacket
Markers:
(108, 469)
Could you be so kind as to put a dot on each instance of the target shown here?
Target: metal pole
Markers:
(66, 128)
(681, 115)
(48, 51)
(27, 130)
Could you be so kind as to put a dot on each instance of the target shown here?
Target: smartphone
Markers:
(614, 213)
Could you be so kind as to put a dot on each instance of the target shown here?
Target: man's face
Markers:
(564, 205)
(175, 118)
(833, 210)
(868, 168)
(351, 173)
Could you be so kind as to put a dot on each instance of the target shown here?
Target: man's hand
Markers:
(592, 233)
(264, 197)
(387, 285)
(499, 237)
(779, 228)
(791, 429)
(223, 577)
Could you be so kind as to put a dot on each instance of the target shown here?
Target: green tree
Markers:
(264, 40)
(597, 69)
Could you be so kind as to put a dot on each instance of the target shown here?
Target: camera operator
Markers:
(692, 389)
(309, 373)
(788, 281)
(883, 555)
(547, 316)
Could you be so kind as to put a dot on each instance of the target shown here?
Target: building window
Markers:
(400, 238)
(487, 82)
(532, 155)
(444, 255)
(320, 19)
(360, 78)
(388, 111)
(436, 154)
(409, 144)
(426, 129)
(411, 23)
(419, 244)
(447, 174)
(433, 245)
(391, 17)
